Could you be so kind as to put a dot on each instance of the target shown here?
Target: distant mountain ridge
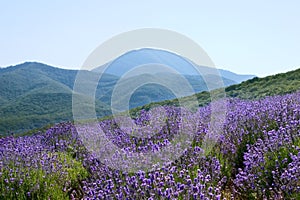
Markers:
(184, 66)
(158, 60)
(35, 94)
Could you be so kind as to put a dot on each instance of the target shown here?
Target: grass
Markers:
(16, 181)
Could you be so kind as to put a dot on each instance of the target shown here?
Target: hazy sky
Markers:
(259, 37)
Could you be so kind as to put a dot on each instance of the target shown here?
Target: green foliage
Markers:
(37, 110)
(256, 88)
(22, 182)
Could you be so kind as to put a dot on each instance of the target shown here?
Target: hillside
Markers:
(149, 88)
(269, 86)
(255, 88)
(34, 94)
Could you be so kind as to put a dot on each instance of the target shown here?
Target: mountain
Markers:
(152, 63)
(35, 94)
(238, 78)
(182, 65)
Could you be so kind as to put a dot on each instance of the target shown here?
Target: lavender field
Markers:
(256, 156)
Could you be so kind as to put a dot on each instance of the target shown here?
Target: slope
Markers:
(255, 88)
(34, 94)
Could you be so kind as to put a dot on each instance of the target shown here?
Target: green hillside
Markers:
(271, 85)
(255, 88)
(39, 109)
(34, 95)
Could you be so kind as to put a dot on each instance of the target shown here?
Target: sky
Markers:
(246, 37)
